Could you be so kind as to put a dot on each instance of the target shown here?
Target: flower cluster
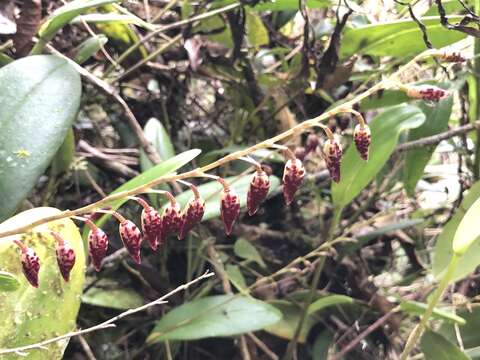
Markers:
(156, 228)
(427, 92)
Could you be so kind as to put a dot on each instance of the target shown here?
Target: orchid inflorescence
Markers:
(155, 228)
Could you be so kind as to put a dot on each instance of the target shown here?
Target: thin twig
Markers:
(435, 139)
(108, 323)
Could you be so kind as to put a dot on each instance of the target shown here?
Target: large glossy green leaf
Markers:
(398, 38)
(167, 167)
(157, 135)
(356, 174)
(221, 315)
(418, 308)
(8, 281)
(211, 192)
(443, 247)
(30, 315)
(468, 230)
(435, 347)
(436, 121)
(39, 99)
(62, 16)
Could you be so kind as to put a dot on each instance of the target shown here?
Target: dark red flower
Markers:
(332, 151)
(191, 216)
(427, 92)
(258, 191)
(30, 263)
(229, 208)
(151, 226)
(293, 175)
(131, 238)
(455, 57)
(362, 138)
(312, 143)
(97, 246)
(171, 221)
(65, 256)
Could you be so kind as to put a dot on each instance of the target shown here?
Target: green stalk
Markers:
(418, 330)
(337, 214)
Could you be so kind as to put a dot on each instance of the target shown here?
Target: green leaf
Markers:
(221, 315)
(384, 99)
(435, 347)
(436, 121)
(327, 301)
(236, 277)
(443, 247)
(260, 155)
(322, 344)
(62, 16)
(283, 5)
(468, 230)
(116, 298)
(356, 174)
(244, 249)
(160, 140)
(51, 310)
(89, 47)
(468, 332)
(398, 38)
(211, 192)
(257, 34)
(102, 18)
(418, 309)
(65, 154)
(8, 281)
(286, 327)
(39, 99)
(165, 168)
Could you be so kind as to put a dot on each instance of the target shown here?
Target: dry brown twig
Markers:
(21, 350)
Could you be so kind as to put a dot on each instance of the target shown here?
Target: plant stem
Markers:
(418, 330)
(476, 71)
(313, 287)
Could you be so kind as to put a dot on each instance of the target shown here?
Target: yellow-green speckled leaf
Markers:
(30, 315)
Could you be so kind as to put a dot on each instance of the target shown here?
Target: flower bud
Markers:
(65, 256)
(453, 57)
(427, 92)
(151, 226)
(97, 247)
(191, 216)
(293, 175)
(30, 264)
(131, 238)
(258, 191)
(332, 151)
(300, 152)
(362, 138)
(229, 208)
(171, 221)
(312, 143)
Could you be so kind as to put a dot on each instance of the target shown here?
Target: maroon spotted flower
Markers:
(131, 238)
(332, 151)
(293, 175)
(258, 191)
(229, 208)
(151, 223)
(171, 220)
(30, 263)
(427, 92)
(191, 216)
(65, 256)
(362, 138)
(97, 245)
